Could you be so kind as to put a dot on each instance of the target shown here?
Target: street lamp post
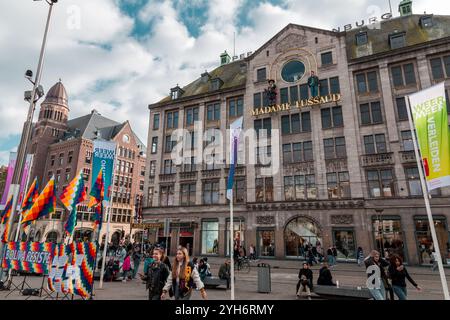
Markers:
(26, 133)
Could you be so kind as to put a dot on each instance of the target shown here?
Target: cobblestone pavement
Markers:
(284, 276)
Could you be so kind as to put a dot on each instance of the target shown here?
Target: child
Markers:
(126, 267)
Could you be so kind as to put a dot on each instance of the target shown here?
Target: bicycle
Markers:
(242, 264)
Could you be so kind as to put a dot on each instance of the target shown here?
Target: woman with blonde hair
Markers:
(183, 277)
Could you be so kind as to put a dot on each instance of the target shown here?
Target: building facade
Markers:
(347, 171)
(64, 147)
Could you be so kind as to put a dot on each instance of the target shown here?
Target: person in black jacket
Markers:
(375, 262)
(398, 274)
(305, 282)
(157, 275)
(325, 277)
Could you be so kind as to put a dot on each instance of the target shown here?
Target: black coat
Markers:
(325, 277)
(399, 277)
(167, 262)
(156, 277)
(309, 276)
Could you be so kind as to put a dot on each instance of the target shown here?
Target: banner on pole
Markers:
(30, 257)
(72, 269)
(10, 174)
(103, 158)
(429, 111)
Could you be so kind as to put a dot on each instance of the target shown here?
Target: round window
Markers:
(293, 71)
(126, 138)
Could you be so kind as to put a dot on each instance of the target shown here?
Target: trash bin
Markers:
(264, 280)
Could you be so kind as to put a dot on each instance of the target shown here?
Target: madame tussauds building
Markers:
(341, 169)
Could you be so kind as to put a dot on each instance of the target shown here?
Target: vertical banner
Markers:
(103, 158)
(429, 111)
(9, 177)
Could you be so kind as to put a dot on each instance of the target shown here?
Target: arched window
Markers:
(52, 237)
(298, 234)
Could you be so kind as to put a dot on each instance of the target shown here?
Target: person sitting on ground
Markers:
(305, 282)
(202, 269)
(225, 273)
(325, 277)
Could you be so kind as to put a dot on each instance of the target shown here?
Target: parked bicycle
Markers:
(242, 264)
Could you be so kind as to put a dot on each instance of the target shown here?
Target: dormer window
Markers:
(397, 40)
(216, 83)
(426, 22)
(176, 93)
(361, 38)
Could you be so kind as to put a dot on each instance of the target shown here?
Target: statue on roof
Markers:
(271, 92)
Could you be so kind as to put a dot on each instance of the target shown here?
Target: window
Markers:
(293, 91)
(213, 112)
(61, 159)
(211, 192)
(403, 75)
(239, 191)
(375, 144)
(172, 120)
(332, 117)
(52, 160)
(156, 121)
(371, 113)
(141, 185)
(70, 157)
(367, 82)
(426, 22)
(264, 189)
(169, 167)
(334, 85)
(169, 144)
(257, 100)
(235, 107)
(191, 115)
(166, 196)
(296, 123)
(188, 194)
(407, 141)
(335, 148)
(381, 183)
(327, 58)
(304, 92)
(264, 155)
(437, 67)
(263, 124)
(150, 197)
(402, 112)
(297, 152)
(300, 187)
(154, 145)
(413, 179)
(189, 164)
(361, 38)
(284, 95)
(397, 40)
(338, 185)
(210, 237)
(323, 87)
(261, 75)
(293, 71)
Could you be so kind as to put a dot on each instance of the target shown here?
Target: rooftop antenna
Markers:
(390, 7)
(234, 44)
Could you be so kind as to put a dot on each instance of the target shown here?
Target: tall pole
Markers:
(232, 245)
(105, 248)
(26, 133)
(390, 7)
(426, 197)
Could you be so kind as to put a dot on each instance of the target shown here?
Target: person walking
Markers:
(305, 282)
(334, 255)
(136, 258)
(311, 257)
(325, 277)
(378, 293)
(360, 256)
(330, 256)
(251, 250)
(434, 261)
(183, 277)
(156, 275)
(398, 274)
(126, 267)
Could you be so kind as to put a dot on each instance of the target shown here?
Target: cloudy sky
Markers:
(118, 56)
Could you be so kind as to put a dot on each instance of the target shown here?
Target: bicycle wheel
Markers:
(245, 267)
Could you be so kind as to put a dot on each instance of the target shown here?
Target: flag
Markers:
(429, 111)
(6, 213)
(235, 132)
(98, 190)
(44, 204)
(72, 195)
(30, 198)
(98, 216)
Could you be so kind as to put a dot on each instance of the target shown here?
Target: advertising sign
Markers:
(103, 158)
(30, 257)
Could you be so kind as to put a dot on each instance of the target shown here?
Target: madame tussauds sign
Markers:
(298, 104)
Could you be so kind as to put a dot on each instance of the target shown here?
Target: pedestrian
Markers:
(126, 266)
(183, 277)
(225, 273)
(251, 250)
(305, 282)
(311, 258)
(202, 269)
(156, 275)
(325, 277)
(377, 288)
(195, 262)
(434, 261)
(360, 256)
(166, 259)
(334, 255)
(149, 260)
(330, 256)
(398, 274)
(136, 258)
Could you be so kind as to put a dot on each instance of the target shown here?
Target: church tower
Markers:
(51, 125)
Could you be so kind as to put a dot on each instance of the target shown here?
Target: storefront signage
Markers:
(265, 220)
(298, 104)
(147, 225)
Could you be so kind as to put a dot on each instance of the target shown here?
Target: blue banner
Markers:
(103, 158)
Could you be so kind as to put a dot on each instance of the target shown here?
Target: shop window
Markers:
(210, 237)
(299, 233)
(388, 236)
(238, 236)
(345, 242)
(425, 242)
(266, 243)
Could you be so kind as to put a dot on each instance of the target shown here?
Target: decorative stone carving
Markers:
(265, 220)
(342, 219)
(291, 41)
